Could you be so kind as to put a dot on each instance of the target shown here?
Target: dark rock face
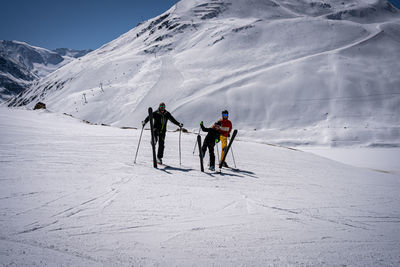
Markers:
(40, 105)
(13, 78)
(8, 66)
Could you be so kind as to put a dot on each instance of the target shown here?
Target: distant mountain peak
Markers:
(72, 52)
(22, 63)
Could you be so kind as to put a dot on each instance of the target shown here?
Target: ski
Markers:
(153, 145)
(227, 148)
(200, 153)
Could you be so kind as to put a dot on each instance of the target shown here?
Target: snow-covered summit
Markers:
(27, 54)
(298, 72)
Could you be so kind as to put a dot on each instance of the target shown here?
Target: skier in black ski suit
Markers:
(161, 117)
(209, 142)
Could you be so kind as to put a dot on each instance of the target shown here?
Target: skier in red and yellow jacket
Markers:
(225, 130)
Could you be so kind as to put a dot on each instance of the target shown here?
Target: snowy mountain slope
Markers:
(299, 72)
(71, 196)
(22, 64)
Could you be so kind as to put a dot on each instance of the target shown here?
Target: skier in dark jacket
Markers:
(209, 142)
(161, 117)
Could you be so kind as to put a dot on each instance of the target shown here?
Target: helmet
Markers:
(217, 125)
(225, 112)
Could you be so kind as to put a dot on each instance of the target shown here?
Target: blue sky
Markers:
(78, 24)
(396, 3)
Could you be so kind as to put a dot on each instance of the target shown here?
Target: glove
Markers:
(143, 123)
(217, 141)
(180, 125)
(201, 123)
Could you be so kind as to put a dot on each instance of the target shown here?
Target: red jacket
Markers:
(226, 127)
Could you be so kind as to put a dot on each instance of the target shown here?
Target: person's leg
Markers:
(224, 144)
(155, 133)
(212, 156)
(161, 139)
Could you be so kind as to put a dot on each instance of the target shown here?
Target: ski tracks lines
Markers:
(81, 207)
(37, 227)
(69, 253)
(302, 214)
(39, 207)
(107, 200)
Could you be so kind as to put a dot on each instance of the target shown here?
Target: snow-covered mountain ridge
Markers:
(297, 72)
(22, 64)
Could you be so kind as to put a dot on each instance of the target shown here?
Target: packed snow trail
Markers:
(71, 195)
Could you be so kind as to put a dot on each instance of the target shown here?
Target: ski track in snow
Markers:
(71, 195)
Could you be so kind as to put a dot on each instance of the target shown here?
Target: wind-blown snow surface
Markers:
(300, 72)
(71, 196)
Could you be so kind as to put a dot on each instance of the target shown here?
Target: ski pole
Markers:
(233, 156)
(137, 150)
(180, 158)
(194, 149)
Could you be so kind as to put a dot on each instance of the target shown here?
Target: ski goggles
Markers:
(225, 115)
(162, 106)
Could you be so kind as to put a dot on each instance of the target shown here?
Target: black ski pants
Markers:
(159, 138)
(210, 147)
